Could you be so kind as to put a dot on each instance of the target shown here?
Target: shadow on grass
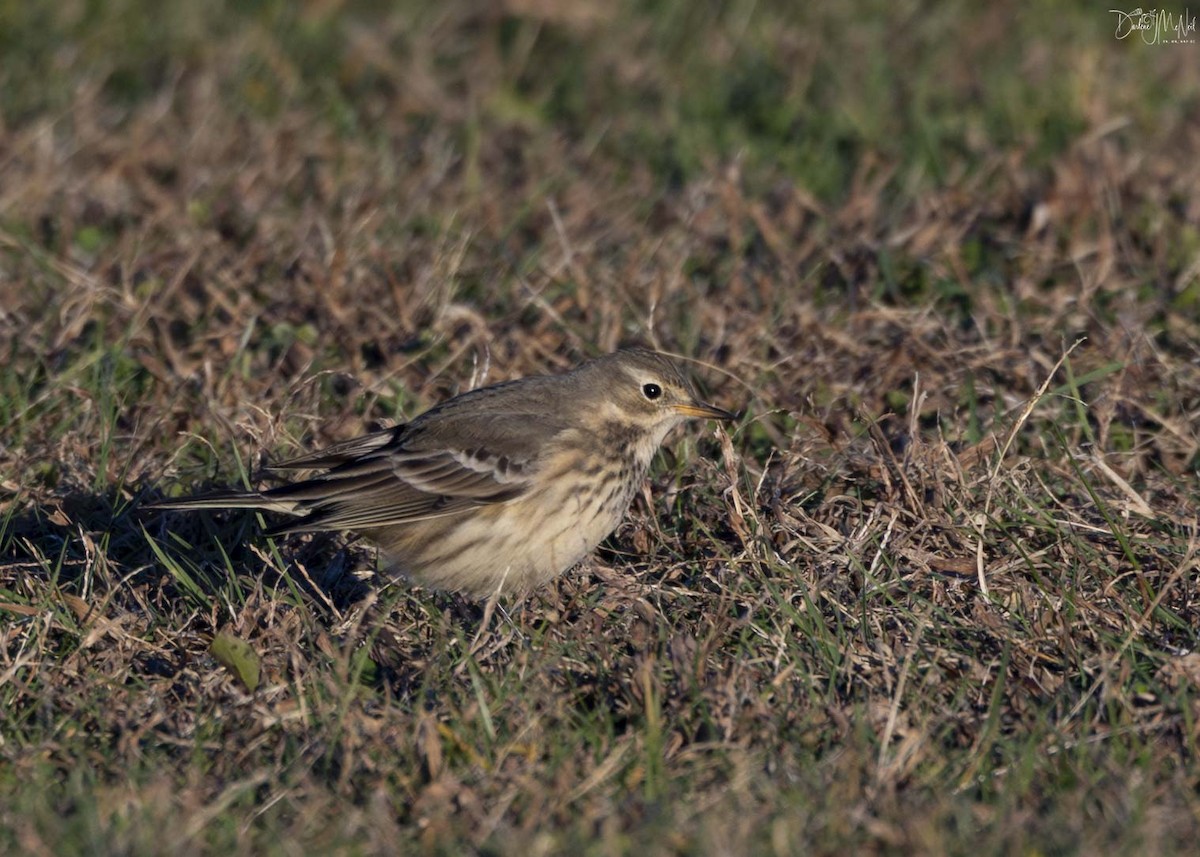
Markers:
(84, 535)
(101, 554)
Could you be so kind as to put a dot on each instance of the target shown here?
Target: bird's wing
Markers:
(410, 473)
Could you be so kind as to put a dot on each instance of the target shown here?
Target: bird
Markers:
(498, 490)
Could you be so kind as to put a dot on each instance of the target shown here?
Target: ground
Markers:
(935, 591)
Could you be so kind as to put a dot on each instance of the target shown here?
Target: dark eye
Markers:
(651, 391)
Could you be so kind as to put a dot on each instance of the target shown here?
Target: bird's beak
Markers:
(703, 411)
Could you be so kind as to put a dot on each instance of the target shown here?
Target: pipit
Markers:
(500, 489)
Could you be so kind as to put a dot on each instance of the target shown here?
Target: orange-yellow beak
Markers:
(703, 411)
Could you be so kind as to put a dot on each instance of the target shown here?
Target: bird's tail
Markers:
(229, 499)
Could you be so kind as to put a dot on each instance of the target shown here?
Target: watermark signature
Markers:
(1157, 26)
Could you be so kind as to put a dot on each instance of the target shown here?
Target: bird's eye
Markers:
(651, 391)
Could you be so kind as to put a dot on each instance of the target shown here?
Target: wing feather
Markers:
(414, 472)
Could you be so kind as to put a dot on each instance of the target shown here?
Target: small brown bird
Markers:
(499, 489)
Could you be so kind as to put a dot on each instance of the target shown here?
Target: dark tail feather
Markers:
(228, 499)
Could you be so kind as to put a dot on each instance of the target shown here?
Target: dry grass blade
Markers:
(982, 518)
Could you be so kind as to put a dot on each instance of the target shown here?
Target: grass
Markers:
(934, 592)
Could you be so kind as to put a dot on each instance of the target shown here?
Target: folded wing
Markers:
(410, 473)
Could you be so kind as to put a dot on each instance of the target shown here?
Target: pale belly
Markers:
(508, 547)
